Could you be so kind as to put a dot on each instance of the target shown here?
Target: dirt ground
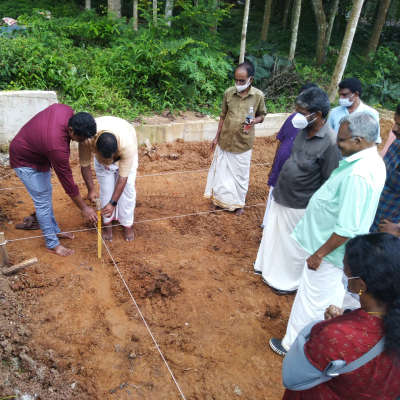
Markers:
(69, 330)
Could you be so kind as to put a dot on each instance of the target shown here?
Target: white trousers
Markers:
(228, 179)
(279, 257)
(107, 178)
(317, 291)
(267, 206)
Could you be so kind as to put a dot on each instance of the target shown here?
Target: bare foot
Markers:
(66, 235)
(239, 211)
(107, 233)
(128, 233)
(61, 251)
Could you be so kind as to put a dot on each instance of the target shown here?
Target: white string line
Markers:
(143, 319)
(137, 222)
(194, 171)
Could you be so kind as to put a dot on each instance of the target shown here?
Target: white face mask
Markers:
(345, 281)
(241, 88)
(300, 121)
(345, 102)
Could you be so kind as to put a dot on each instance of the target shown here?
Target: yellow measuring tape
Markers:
(99, 238)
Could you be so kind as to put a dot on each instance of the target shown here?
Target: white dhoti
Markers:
(267, 206)
(279, 257)
(317, 291)
(107, 177)
(228, 179)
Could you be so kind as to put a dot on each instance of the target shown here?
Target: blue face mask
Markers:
(345, 102)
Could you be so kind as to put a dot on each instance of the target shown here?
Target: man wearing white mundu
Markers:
(115, 163)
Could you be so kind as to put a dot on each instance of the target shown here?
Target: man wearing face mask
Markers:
(389, 203)
(242, 107)
(285, 138)
(314, 155)
(115, 163)
(350, 92)
(343, 207)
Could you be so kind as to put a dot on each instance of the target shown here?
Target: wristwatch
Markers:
(113, 203)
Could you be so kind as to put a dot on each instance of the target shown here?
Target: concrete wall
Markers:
(200, 130)
(18, 107)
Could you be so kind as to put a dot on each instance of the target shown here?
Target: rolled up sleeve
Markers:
(126, 162)
(85, 153)
(261, 109)
(224, 108)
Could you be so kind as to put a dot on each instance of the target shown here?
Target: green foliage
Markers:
(380, 77)
(192, 20)
(16, 8)
(267, 67)
(97, 64)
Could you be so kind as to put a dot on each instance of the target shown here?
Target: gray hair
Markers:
(314, 99)
(363, 125)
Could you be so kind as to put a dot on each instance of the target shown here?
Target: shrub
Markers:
(108, 69)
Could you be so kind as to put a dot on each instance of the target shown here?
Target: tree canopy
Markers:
(135, 56)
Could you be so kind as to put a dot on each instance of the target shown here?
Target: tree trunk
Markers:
(115, 7)
(155, 12)
(169, 6)
(345, 49)
(214, 7)
(135, 15)
(87, 5)
(267, 18)
(295, 28)
(332, 17)
(321, 26)
(244, 31)
(285, 17)
(378, 26)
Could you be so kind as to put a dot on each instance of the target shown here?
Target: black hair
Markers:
(375, 258)
(398, 109)
(248, 66)
(307, 85)
(314, 99)
(107, 144)
(83, 125)
(353, 84)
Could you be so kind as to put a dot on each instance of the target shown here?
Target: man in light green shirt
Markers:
(342, 208)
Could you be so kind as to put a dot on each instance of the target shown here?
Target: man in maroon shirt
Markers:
(41, 144)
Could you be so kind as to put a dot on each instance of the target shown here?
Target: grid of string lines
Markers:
(116, 266)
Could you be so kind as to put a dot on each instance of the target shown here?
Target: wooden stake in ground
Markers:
(99, 238)
(17, 267)
(4, 261)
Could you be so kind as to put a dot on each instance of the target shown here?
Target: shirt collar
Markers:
(366, 153)
(251, 92)
(321, 133)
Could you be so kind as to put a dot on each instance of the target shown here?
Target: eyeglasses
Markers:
(353, 277)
